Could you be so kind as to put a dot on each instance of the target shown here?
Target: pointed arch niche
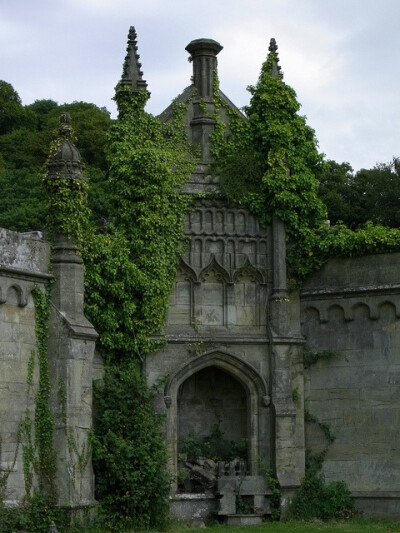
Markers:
(218, 386)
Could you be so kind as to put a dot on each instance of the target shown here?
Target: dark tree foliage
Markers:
(371, 195)
(333, 190)
(12, 113)
(25, 136)
(375, 195)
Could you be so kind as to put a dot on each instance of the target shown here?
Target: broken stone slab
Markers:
(207, 479)
(210, 464)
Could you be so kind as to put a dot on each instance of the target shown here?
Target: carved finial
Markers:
(273, 49)
(64, 159)
(65, 125)
(131, 72)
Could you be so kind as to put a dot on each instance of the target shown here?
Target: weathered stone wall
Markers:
(227, 360)
(352, 307)
(23, 265)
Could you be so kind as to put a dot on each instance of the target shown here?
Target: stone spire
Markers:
(273, 49)
(131, 74)
(65, 160)
(204, 57)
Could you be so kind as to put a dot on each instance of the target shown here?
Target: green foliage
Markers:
(130, 268)
(213, 446)
(310, 357)
(129, 454)
(148, 166)
(67, 208)
(316, 499)
(24, 147)
(330, 437)
(12, 112)
(45, 459)
(37, 435)
(271, 164)
(334, 186)
(368, 195)
(274, 487)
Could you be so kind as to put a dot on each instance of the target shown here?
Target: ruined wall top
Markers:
(25, 252)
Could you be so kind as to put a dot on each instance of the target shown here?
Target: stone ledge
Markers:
(26, 275)
(340, 292)
(376, 494)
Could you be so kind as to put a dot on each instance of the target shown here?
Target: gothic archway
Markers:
(251, 392)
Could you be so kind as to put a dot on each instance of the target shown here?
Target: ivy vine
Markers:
(271, 165)
(45, 462)
(130, 267)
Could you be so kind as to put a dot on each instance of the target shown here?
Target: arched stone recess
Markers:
(311, 313)
(15, 292)
(386, 308)
(254, 385)
(338, 313)
(215, 267)
(361, 311)
(351, 308)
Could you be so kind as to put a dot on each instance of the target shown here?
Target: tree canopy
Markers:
(25, 136)
(369, 195)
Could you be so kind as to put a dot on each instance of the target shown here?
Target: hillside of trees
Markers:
(26, 132)
(25, 136)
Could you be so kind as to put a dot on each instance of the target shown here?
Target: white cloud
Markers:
(340, 56)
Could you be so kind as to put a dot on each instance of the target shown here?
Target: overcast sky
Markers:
(341, 57)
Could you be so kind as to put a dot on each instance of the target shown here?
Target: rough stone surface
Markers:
(24, 265)
(188, 507)
(351, 307)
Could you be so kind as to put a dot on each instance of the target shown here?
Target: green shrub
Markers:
(129, 456)
(316, 499)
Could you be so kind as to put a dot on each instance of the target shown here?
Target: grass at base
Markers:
(355, 525)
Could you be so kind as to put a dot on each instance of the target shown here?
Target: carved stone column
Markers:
(286, 361)
(71, 348)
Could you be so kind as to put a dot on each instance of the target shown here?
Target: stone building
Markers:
(233, 359)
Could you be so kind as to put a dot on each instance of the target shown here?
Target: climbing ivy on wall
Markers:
(45, 463)
(148, 166)
(271, 165)
(130, 269)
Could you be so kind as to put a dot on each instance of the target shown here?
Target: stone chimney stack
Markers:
(204, 57)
